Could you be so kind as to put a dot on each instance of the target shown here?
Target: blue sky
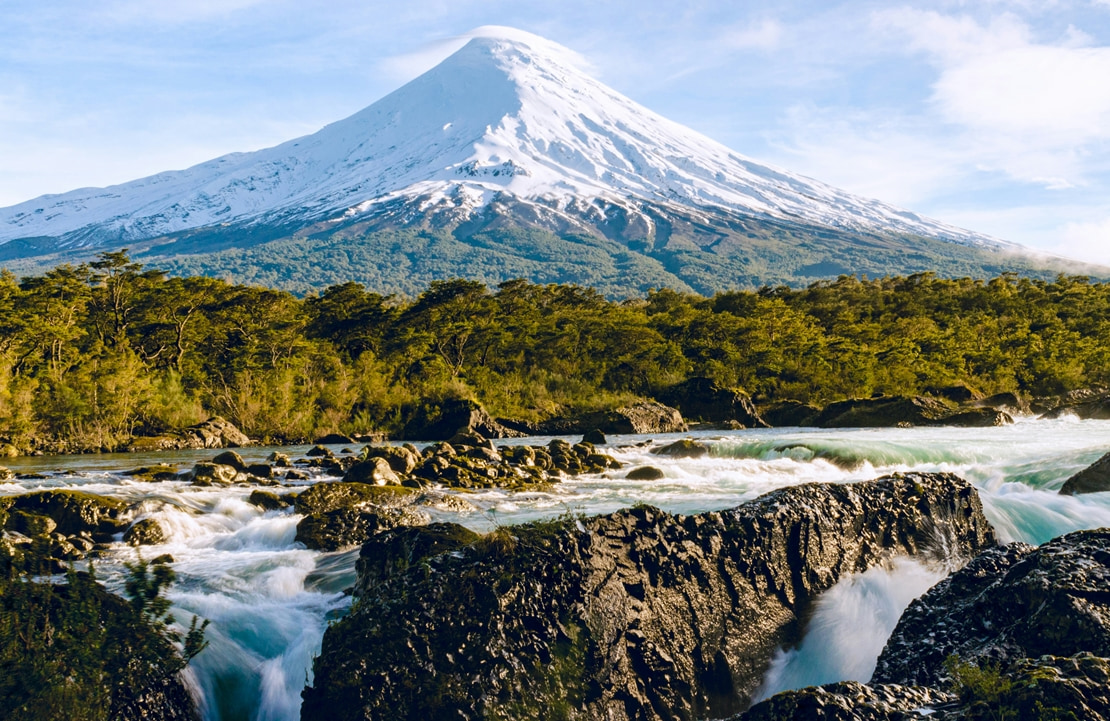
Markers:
(992, 115)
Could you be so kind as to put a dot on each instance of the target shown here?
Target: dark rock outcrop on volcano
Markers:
(637, 614)
(1007, 604)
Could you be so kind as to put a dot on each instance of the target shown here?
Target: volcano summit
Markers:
(505, 160)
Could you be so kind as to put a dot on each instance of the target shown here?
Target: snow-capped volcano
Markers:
(508, 116)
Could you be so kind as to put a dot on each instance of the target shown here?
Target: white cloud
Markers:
(764, 35)
(1029, 109)
(1087, 241)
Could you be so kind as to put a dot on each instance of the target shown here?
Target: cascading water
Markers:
(269, 600)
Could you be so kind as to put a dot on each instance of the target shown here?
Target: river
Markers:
(269, 600)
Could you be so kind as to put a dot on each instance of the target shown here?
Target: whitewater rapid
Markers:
(270, 600)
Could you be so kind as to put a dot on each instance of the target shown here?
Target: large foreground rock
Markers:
(1050, 687)
(634, 615)
(1009, 603)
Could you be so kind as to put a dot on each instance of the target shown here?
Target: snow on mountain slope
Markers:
(508, 113)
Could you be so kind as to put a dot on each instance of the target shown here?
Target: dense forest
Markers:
(98, 352)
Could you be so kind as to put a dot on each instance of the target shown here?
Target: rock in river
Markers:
(638, 614)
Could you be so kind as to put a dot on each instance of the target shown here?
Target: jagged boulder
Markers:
(1085, 403)
(214, 474)
(375, 471)
(401, 459)
(1095, 478)
(329, 496)
(1007, 604)
(440, 422)
(269, 501)
(145, 532)
(790, 414)
(703, 399)
(216, 432)
(1049, 687)
(345, 528)
(75, 512)
(891, 411)
(881, 412)
(685, 448)
(847, 701)
(645, 473)
(636, 614)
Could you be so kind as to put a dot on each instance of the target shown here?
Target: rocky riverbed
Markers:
(621, 595)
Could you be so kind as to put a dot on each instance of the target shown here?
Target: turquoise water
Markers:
(269, 600)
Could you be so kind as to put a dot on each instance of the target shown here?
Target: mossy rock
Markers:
(6, 475)
(401, 459)
(155, 474)
(396, 551)
(231, 458)
(375, 471)
(645, 473)
(75, 511)
(344, 528)
(330, 496)
(30, 524)
(145, 532)
(685, 448)
(213, 474)
(269, 501)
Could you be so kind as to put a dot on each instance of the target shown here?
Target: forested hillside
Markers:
(96, 353)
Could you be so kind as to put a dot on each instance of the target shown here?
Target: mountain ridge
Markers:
(506, 132)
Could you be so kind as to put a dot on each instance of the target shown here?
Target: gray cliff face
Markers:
(637, 614)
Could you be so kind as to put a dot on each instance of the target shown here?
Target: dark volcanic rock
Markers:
(645, 473)
(685, 448)
(846, 701)
(439, 423)
(702, 399)
(1092, 479)
(890, 411)
(145, 532)
(958, 393)
(1007, 604)
(634, 615)
(1085, 403)
(216, 432)
(644, 417)
(334, 439)
(978, 418)
(269, 501)
(349, 527)
(882, 412)
(75, 512)
(791, 413)
(1049, 687)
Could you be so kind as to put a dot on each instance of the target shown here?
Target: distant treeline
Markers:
(97, 353)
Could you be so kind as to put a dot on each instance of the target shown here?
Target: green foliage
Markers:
(91, 355)
(74, 651)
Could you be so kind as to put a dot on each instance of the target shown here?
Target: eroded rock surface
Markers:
(1007, 604)
(637, 614)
